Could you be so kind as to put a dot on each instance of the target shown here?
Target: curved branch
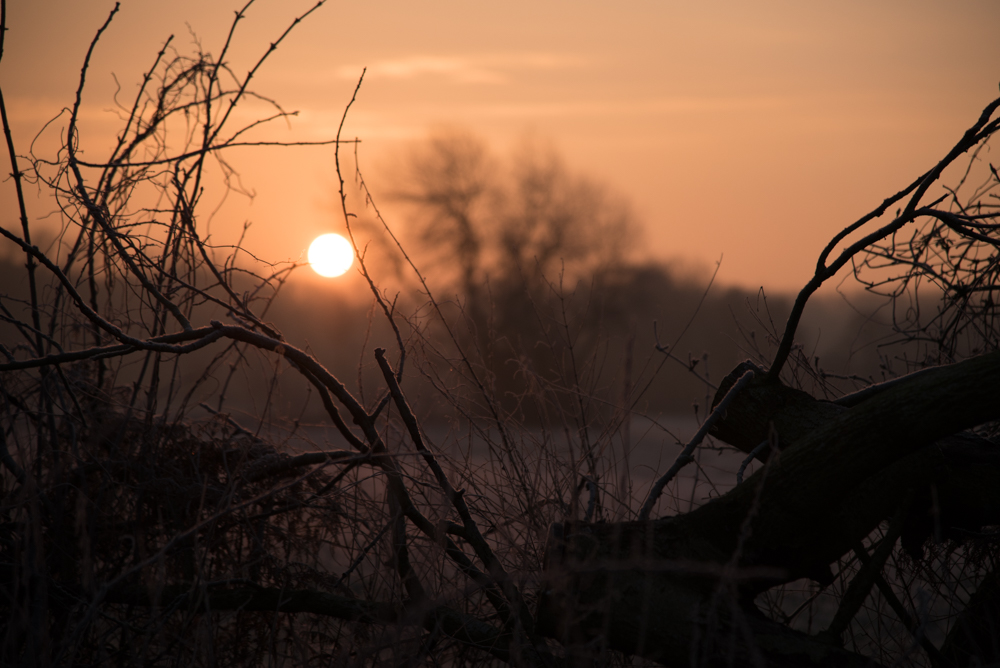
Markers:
(981, 130)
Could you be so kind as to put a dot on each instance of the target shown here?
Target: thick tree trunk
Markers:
(666, 588)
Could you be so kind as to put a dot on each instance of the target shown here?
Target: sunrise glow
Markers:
(331, 255)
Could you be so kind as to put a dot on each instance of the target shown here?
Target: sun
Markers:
(331, 255)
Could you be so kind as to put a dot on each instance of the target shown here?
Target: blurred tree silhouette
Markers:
(519, 221)
(453, 187)
(531, 251)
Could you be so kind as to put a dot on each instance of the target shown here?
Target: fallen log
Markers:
(669, 587)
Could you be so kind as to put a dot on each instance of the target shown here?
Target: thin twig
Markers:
(685, 458)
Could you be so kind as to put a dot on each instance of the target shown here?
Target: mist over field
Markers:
(707, 328)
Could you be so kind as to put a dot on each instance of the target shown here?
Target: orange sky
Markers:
(749, 130)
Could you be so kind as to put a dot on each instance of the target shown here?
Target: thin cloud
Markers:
(491, 69)
(597, 108)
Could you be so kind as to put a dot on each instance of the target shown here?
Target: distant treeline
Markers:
(529, 337)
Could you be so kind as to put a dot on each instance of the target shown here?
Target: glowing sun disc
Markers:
(331, 255)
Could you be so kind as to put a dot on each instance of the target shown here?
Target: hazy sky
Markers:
(752, 131)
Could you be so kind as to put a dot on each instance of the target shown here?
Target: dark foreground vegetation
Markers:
(472, 501)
